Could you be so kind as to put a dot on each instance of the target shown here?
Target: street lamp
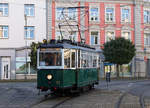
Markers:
(25, 16)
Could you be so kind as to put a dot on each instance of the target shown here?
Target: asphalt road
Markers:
(25, 94)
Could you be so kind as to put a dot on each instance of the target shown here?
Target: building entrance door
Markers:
(5, 68)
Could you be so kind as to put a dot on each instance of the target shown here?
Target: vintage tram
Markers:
(65, 66)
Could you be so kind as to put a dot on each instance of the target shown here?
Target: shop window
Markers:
(21, 66)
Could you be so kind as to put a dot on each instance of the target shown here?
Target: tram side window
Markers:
(67, 58)
(83, 59)
(73, 59)
(90, 60)
(94, 61)
(79, 58)
(99, 61)
(87, 60)
(50, 59)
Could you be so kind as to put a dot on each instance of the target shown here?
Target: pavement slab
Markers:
(130, 101)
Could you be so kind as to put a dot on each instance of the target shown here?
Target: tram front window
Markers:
(50, 59)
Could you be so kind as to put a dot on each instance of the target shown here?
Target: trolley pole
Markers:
(25, 48)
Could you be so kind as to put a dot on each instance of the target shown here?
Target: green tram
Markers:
(65, 66)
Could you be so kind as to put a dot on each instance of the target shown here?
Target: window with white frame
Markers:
(146, 16)
(109, 15)
(59, 35)
(126, 35)
(59, 13)
(29, 9)
(125, 15)
(29, 32)
(94, 14)
(3, 31)
(3, 9)
(72, 13)
(94, 38)
(73, 36)
(147, 39)
(109, 36)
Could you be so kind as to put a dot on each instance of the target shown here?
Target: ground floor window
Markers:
(125, 70)
(21, 66)
(109, 67)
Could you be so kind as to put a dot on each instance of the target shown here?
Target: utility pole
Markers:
(25, 16)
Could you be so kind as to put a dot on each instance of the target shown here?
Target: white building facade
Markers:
(21, 23)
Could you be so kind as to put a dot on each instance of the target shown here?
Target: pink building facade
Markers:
(105, 20)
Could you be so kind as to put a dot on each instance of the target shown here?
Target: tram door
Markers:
(5, 67)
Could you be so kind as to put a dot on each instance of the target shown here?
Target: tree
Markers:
(119, 51)
(33, 54)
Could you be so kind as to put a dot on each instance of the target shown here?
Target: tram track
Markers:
(118, 104)
(120, 100)
(60, 102)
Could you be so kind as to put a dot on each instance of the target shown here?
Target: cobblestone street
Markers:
(119, 94)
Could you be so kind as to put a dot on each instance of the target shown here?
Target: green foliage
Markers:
(33, 54)
(119, 51)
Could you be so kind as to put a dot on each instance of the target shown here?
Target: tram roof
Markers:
(70, 46)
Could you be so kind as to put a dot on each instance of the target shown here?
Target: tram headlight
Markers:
(49, 76)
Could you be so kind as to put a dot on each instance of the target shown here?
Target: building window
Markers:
(29, 9)
(94, 14)
(126, 35)
(29, 32)
(59, 13)
(109, 36)
(73, 36)
(125, 15)
(21, 66)
(94, 38)
(72, 13)
(3, 31)
(3, 9)
(147, 39)
(109, 14)
(146, 16)
(60, 35)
